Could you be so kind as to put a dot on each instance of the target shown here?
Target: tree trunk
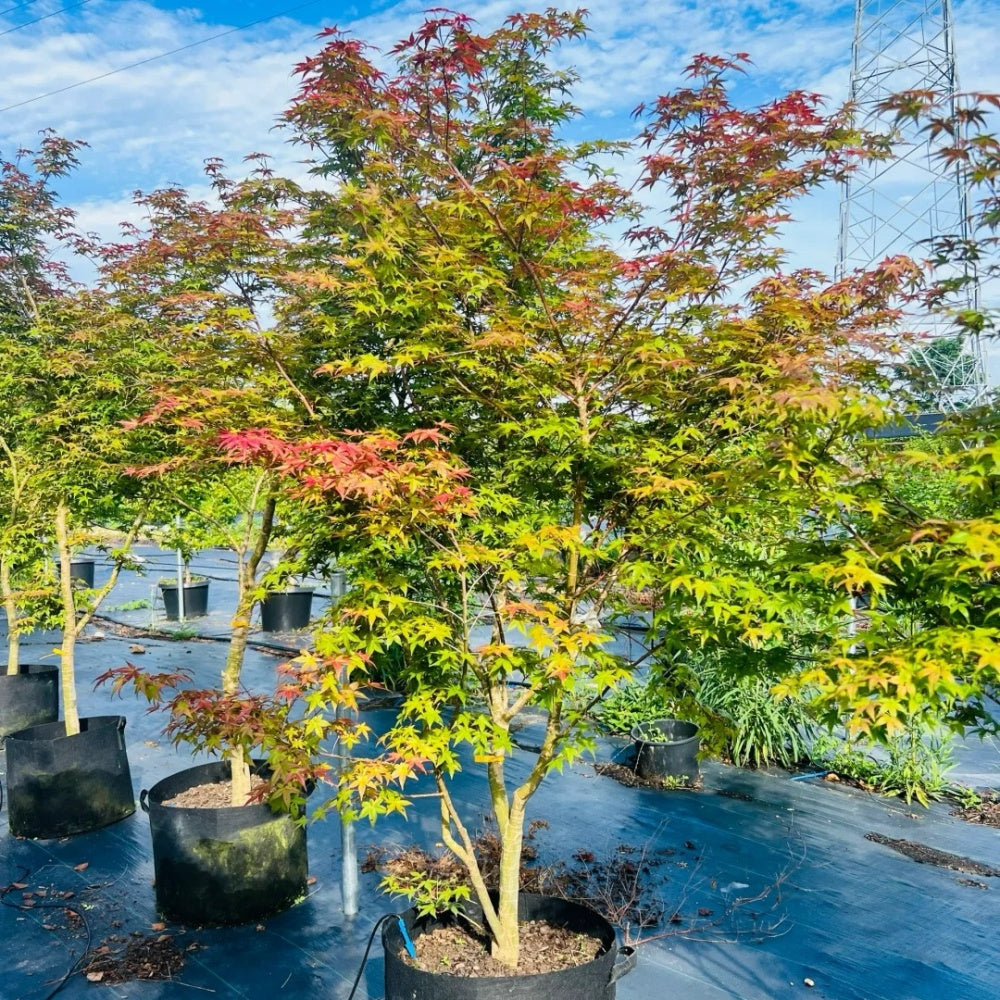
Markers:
(10, 607)
(67, 648)
(246, 572)
(505, 947)
(239, 760)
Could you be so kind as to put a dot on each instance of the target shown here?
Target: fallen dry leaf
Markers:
(136, 648)
(81, 866)
(95, 977)
(158, 926)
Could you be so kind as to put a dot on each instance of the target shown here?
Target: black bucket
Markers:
(594, 980)
(195, 600)
(667, 750)
(227, 865)
(82, 571)
(286, 610)
(28, 698)
(58, 785)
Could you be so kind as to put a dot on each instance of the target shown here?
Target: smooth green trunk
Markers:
(67, 648)
(10, 607)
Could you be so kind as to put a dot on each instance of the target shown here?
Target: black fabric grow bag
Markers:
(667, 749)
(28, 698)
(228, 865)
(58, 785)
(195, 600)
(286, 610)
(594, 980)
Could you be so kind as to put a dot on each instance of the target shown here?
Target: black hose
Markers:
(364, 959)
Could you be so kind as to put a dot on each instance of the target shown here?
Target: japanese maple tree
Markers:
(69, 378)
(643, 398)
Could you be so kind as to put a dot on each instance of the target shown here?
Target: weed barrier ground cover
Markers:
(764, 882)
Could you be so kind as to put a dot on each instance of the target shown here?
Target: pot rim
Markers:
(148, 802)
(646, 732)
(118, 721)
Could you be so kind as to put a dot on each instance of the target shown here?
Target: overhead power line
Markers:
(160, 55)
(44, 17)
(17, 6)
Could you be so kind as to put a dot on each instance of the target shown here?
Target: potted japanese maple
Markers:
(185, 596)
(29, 692)
(71, 776)
(250, 803)
(67, 383)
(607, 413)
(227, 252)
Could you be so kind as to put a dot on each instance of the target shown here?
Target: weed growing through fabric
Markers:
(140, 605)
(917, 766)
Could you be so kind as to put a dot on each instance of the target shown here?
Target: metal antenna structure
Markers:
(898, 206)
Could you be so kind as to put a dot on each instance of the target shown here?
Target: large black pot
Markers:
(29, 697)
(594, 980)
(667, 750)
(286, 610)
(82, 571)
(228, 865)
(58, 785)
(195, 600)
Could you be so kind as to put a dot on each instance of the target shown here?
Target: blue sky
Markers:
(156, 122)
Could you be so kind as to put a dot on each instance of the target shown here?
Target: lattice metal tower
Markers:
(896, 206)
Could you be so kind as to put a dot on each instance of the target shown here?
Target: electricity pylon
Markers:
(900, 205)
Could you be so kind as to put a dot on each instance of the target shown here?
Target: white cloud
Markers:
(156, 123)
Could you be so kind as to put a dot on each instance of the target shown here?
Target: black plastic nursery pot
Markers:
(28, 698)
(58, 785)
(82, 570)
(594, 980)
(195, 600)
(286, 610)
(227, 865)
(667, 750)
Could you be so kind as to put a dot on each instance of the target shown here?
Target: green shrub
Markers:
(759, 729)
(634, 703)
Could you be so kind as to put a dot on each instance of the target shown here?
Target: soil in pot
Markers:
(458, 951)
(195, 600)
(28, 698)
(570, 929)
(59, 785)
(221, 864)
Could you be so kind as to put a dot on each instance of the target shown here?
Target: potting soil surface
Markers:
(761, 885)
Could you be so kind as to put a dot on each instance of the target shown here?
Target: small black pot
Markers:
(228, 865)
(195, 600)
(667, 750)
(82, 571)
(59, 785)
(29, 697)
(286, 610)
(594, 980)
